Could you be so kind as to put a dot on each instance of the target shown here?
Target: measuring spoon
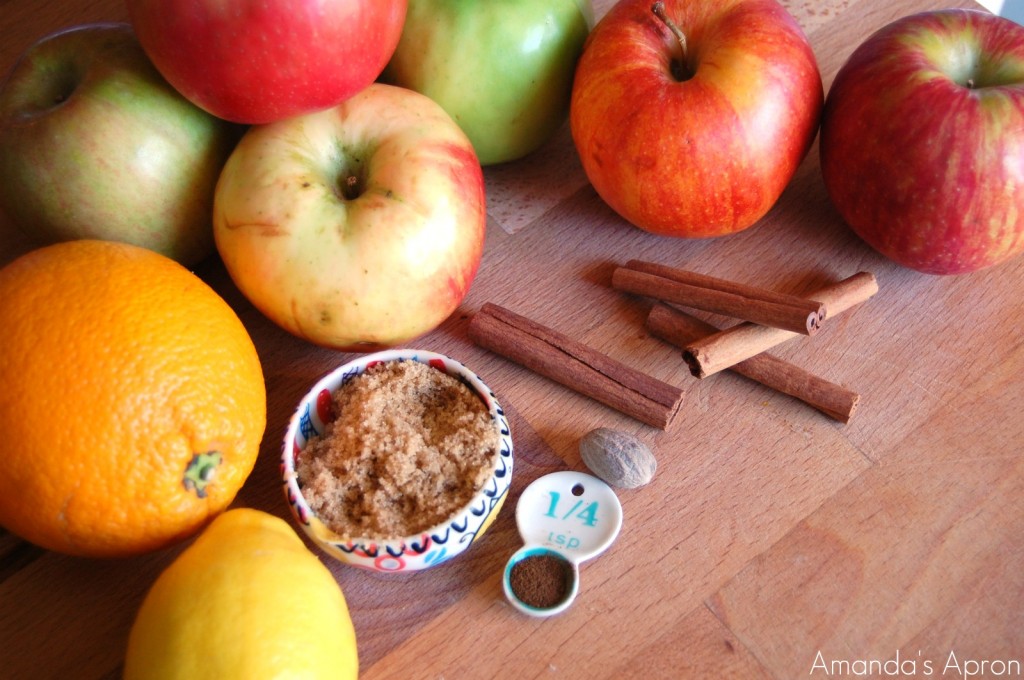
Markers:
(569, 515)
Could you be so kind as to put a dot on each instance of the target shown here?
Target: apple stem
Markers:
(350, 190)
(679, 68)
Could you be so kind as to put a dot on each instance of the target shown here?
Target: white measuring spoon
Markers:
(570, 515)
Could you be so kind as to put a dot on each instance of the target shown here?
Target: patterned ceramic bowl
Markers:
(412, 553)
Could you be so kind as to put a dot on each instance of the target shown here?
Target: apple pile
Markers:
(690, 118)
(350, 212)
(330, 150)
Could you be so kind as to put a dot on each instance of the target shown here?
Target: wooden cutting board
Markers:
(771, 540)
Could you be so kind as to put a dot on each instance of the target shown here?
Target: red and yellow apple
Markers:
(257, 62)
(358, 227)
(690, 121)
(922, 141)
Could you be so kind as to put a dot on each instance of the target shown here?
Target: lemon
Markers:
(246, 600)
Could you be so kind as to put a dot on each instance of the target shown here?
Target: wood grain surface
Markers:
(772, 536)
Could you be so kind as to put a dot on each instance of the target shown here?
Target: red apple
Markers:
(695, 140)
(922, 141)
(358, 227)
(257, 62)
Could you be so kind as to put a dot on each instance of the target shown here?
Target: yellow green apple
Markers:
(95, 144)
(502, 69)
(358, 227)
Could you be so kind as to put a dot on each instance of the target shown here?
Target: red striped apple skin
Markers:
(709, 153)
(922, 141)
(258, 62)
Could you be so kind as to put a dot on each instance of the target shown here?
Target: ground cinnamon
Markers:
(540, 580)
(575, 365)
(720, 296)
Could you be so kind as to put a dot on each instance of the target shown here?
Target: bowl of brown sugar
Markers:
(397, 461)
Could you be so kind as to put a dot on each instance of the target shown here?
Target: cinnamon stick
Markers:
(575, 365)
(835, 401)
(728, 347)
(749, 303)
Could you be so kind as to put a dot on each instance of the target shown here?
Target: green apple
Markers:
(95, 144)
(358, 227)
(502, 69)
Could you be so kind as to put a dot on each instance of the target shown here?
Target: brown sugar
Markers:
(410, 445)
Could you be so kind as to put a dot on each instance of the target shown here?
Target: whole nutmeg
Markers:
(618, 458)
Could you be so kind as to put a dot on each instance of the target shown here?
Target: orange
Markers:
(132, 400)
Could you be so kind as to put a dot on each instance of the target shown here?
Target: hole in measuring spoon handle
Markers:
(539, 581)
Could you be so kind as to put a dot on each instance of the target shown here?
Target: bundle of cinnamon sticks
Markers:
(768, 319)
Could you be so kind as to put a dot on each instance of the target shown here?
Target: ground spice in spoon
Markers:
(540, 581)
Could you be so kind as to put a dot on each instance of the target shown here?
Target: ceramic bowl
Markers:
(411, 553)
